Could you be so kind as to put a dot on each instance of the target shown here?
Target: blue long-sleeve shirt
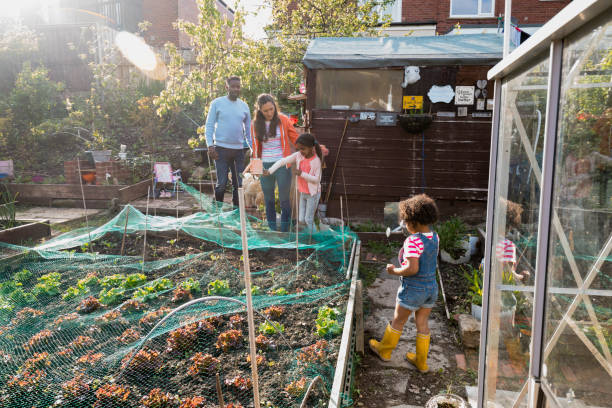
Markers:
(228, 123)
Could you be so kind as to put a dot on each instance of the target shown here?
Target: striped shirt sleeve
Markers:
(505, 251)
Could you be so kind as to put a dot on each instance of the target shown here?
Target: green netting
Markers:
(77, 319)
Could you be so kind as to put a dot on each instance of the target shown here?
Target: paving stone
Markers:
(461, 363)
(469, 329)
(436, 360)
(382, 292)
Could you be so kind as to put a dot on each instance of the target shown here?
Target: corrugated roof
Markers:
(368, 52)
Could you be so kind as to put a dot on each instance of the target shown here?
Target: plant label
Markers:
(464, 95)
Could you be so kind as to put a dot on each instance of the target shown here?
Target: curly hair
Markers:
(419, 209)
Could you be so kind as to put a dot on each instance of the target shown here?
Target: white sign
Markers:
(462, 111)
(367, 115)
(480, 104)
(464, 95)
(446, 114)
(441, 94)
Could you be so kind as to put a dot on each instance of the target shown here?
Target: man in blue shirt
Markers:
(228, 126)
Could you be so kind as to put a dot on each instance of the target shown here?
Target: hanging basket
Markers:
(415, 123)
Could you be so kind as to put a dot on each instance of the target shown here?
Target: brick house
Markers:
(430, 17)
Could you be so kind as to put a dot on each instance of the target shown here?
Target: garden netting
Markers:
(83, 326)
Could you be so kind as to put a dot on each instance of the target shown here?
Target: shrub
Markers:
(112, 395)
(204, 364)
(229, 339)
(451, 234)
(111, 296)
(219, 288)
(296, 388)
(88, 305)
(159, 399)
(327, 322)
(267, 328)
(274, 312)
(49, 285)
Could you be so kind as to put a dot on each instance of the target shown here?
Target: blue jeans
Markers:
(229, 160)
(308, 206)
(282, 178)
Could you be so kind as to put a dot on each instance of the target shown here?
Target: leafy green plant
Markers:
(150, 291)
(111, 296)
(113, 281)
(255, 291)
(327, 322)
(267, 328)
(49, 285)
(73, 292)
(191, 285)
(8, 208)
(219, 288)
(474, 279)
(22, 276)
(451, 234)
(88, 282)
(21, 297)
(280, 292)
(134, 280)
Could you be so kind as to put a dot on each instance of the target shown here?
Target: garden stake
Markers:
(214, 201)
(247, 284)
(342, 226)
(348, 217)
(331, 179)
(220, 393)
(144, 244)
(443, 294)
(127, 216)
(297, 229)
(200, 184)
(84, 204)
(177, 212)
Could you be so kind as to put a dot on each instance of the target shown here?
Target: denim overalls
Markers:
(421, 290)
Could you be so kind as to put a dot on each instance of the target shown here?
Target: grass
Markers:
(385, 249)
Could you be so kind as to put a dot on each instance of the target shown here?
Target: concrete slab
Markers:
(53, 214)
(382, 292)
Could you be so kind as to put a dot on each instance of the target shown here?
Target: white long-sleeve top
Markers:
(313, 177)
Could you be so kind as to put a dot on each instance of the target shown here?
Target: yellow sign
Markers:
(413, 102)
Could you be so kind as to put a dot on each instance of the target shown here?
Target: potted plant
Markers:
(474, 278)
(446, 400)
(455, 243)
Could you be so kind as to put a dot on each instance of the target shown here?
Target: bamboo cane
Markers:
(297, 228)
(84, 203)
(127, 216)
(247, 284)
(342, 226)
(177, 210)
(144, 244)
(220, 393)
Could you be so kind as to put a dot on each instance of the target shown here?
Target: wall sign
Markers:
(462, 111)
(446, 114)
(367, 115)
(481, 114)
(480, 104)
(441, 94)
(464, 95)
(413, 102)
(386, 119)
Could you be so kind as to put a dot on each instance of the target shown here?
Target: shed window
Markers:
(472, 8)
(363, 89)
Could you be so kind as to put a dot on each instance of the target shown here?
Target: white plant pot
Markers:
(455, 400)
(465, 244)
(477, 312)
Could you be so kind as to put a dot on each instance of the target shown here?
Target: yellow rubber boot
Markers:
(419, 360)
(385, 347)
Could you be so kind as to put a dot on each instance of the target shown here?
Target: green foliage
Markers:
(113, 281)
(219, 288)
(8, 207)
(49, 285)
(21, 297)
(73, 292)
(267, 328)
(280, 292)
(6, 307)
(327, 322)
(384, 248)
(368, 226)
(111, 296)
(255, 291)
(452, 234)
(151, 290)
(22, 276)
(134, 280)
(474, 279)
(87, 283)
(191, 285)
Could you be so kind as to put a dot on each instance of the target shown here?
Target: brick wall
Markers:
(118, 172)
(71, 170)
(161, 14)
(525, 12)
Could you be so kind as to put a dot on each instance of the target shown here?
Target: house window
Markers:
(472, 8)
(359, 89)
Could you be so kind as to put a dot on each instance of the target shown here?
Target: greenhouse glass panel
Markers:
(578, 331)
(515, 228)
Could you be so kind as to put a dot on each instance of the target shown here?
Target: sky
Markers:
(257, 18)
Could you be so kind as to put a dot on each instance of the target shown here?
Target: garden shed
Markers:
(364, 85)
(546, 339)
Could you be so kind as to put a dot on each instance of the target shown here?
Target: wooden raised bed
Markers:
(70, 195)
(21, 233)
